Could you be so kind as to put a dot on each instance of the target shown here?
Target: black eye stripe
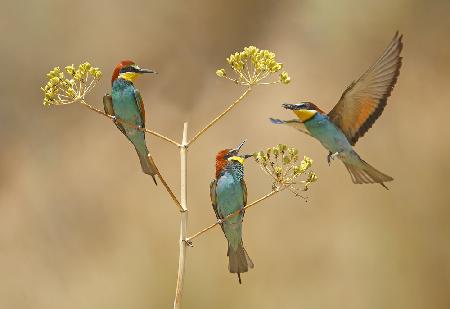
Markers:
(129, 69)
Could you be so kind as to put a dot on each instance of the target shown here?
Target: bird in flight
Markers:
(358, 108)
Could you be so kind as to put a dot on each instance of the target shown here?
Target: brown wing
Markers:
(109, 109)
(140, 105)
(244, 190)
(364, 100)
(212, 194)
(107, 105)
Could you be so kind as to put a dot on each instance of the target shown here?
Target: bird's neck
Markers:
(121, 83)
(236, 170)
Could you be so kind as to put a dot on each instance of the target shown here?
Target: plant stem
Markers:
(188, 240)
(163, 181)
(183, 220)
(130, 124)
(220, 116)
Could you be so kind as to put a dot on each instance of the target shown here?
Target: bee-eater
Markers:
(229, 194)
(359, 107)
(125, 103)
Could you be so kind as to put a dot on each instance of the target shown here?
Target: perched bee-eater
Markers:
(229, 194)
(125, 103)
(359, 107)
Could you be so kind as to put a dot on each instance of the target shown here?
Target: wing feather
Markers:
(140, 106)
(294, 123)
(364, 100)
(212, 194)
(109, 109)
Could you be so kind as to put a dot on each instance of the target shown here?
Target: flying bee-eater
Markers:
(125, 103)
(228, 195)
(358, 108)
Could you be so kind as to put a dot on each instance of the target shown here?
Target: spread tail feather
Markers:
(363, 172)
(239, 261)
(147, 164)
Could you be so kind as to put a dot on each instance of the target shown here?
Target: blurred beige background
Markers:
(82, 227)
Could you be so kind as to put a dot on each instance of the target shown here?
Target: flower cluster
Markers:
(62, 90)
(253, 65)
(285, 167)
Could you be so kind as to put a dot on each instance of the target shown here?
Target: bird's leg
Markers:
(331, 156)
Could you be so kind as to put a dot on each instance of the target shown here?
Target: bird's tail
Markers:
(239, 261)
(363, 172)
(147, 164)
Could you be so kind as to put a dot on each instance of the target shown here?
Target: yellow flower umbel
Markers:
(284, 166)
(252, 65)
(61, 90)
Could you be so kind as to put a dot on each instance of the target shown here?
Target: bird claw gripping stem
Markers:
(188, 242)
(331, 156)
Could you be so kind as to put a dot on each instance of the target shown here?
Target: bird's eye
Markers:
(129, 69)
(305, 106)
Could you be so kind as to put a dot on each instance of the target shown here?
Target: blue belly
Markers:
(326, 132)
(230, 198)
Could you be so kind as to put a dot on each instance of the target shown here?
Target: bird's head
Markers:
(303, 110)
(225, 156)
(128, 70)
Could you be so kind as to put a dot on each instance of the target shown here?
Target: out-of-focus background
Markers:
(82, 227)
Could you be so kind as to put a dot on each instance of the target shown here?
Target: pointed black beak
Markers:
(236, 150)
(146, 71)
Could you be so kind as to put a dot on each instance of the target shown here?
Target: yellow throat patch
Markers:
(129, 76)
(236, 158)
(305, 114)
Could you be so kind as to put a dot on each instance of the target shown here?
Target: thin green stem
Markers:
(196, 136)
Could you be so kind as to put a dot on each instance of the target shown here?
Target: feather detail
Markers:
(294, 123)
(364, 100)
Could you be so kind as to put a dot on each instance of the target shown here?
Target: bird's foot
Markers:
(331, 156)
(114, 119)
(219, 221)
(188, 242)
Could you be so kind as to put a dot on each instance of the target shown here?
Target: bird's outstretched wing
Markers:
(296, 124)
(364, 100)
(140, 106)
(109, 109)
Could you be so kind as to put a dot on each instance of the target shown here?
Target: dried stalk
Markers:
(183, 220)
